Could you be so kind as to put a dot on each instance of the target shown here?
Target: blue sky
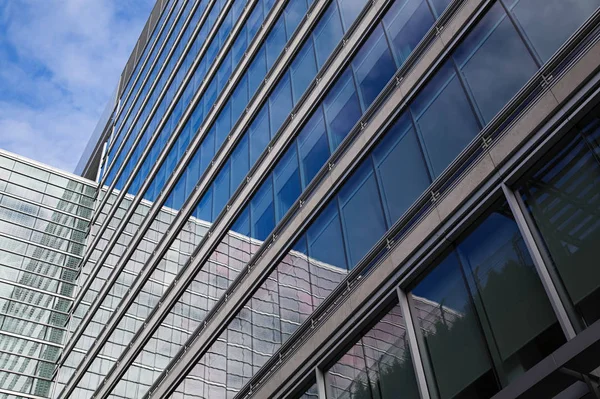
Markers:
(60, 61)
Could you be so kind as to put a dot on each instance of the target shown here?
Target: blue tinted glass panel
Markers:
(207, 148)
(259, 134)
(401, 169)
(280, 104)
(324, 236)
(342, 109)
(242, 223)
(275, 42)
(239, 47)
(362, 213)
(406, 23)
(303, 70)
(239, 163)
(373, 66)
(239, 99)
(444, 118)
(257, 71)
(350, 10)
(220, 191)
(560, 19)
(254, 21)
(294, 12)
(286, 180)
(494, 61)
(204, 208)
(313, 147)
(223, 125)
(327, 33)
(262, 211)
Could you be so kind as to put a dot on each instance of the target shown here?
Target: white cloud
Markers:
(60, 61)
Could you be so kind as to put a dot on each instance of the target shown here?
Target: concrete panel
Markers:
(578, 74)
(455, 24)
(523, 128)
(415, 237)
(475, 176)
(423, 65)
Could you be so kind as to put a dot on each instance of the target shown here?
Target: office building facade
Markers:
(345, 199)
(44, 219)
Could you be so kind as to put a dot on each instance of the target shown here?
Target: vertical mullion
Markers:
(553, 295)
(415, 355)
(321, 388)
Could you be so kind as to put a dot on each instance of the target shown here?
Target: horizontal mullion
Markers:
(32, 339)
(39, 245)
(45, 206)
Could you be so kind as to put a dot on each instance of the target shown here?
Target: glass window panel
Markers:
(239, 163)
(325, 243)
(373, 66)
(262, 211)
(350, 10)
(406, 23)
(259, 134)
(445, 118)
(275, 42)
(448, 321)
(549, 23)
(496, 262)
(280, 103)
(494, 61)
(562, 195)
(204, 208)
(207, 148)
(464, 308)
(342, 109)
(327, 33)
(239, 99)
(286, 180)
(362, 214)
(223, 125)
(303, 70)
(257, 71)
(378, 366)
(220, 191)
(294, 12)
(401, 169)
(313, 147)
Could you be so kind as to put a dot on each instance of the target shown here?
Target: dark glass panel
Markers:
(342, 109)
(362, 213)
(401, 169)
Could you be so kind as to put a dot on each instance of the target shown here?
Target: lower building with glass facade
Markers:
(44, 217)
(344, 199)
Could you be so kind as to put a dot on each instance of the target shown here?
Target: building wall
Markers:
(44, 218)
(248, 182)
